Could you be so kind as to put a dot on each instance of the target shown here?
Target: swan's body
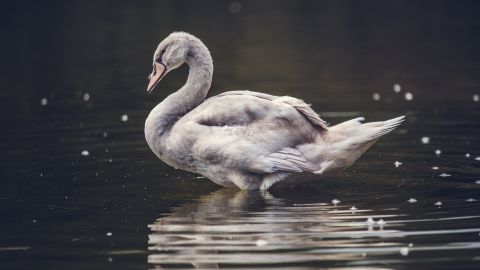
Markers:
(241, 138)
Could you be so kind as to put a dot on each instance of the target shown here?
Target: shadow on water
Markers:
(234, 229)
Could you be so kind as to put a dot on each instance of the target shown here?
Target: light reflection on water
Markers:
(237, 228)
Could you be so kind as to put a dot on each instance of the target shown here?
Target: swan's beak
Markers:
(156, 76)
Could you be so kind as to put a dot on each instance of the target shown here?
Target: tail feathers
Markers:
(377, 129)
(347, 141)
(350, 123)
(357, 131)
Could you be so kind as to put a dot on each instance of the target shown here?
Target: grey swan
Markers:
(245, 139)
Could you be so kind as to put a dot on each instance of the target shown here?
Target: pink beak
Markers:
(157, 74)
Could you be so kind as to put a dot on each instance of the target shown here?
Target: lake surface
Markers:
(80, 189)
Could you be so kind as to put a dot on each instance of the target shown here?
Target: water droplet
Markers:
(234, 7)
(477, 158)
(467, 155)
(412, 200)
(397, 88)
(476, 98)
(335, 201)
(353, 209)
(439, 203)
(435, 168)
(105, 134)
(124, 118)
(86, 96)
(477, 182)
(261, 243)
(376, 96)
(445, 175)
(470, 200)
(381, 222)
(410, 244)
(370, 221)
(408, 96)
(108, 234)
(44, 101)
(397, 163)
(425, 140)
(85, 153)
(438, 152)
(404, 251)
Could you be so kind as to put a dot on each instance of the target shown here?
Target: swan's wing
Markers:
(288, 160)
(298, 104)
(251, 131)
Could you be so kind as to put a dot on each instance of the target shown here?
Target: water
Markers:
(81, 190)
(240, 229)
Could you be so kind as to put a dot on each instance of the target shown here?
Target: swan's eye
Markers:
(159, 59)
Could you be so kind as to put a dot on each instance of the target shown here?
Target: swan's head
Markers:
(171, 53)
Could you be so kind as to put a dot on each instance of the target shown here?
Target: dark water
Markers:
(120, 208)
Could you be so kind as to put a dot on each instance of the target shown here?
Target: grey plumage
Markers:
(246, 139)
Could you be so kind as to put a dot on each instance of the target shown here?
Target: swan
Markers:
(244, 139)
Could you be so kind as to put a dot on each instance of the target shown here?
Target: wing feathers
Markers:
(289, 160)
(311, 115)
(298, 104)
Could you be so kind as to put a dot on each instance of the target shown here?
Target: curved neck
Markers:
(199, 80)
(167, 113)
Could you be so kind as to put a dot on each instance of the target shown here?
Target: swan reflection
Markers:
(238, 228)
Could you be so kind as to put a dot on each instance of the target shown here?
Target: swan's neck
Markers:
(196, 88)
(176, 105)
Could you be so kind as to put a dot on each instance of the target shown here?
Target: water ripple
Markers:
(229, 228)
